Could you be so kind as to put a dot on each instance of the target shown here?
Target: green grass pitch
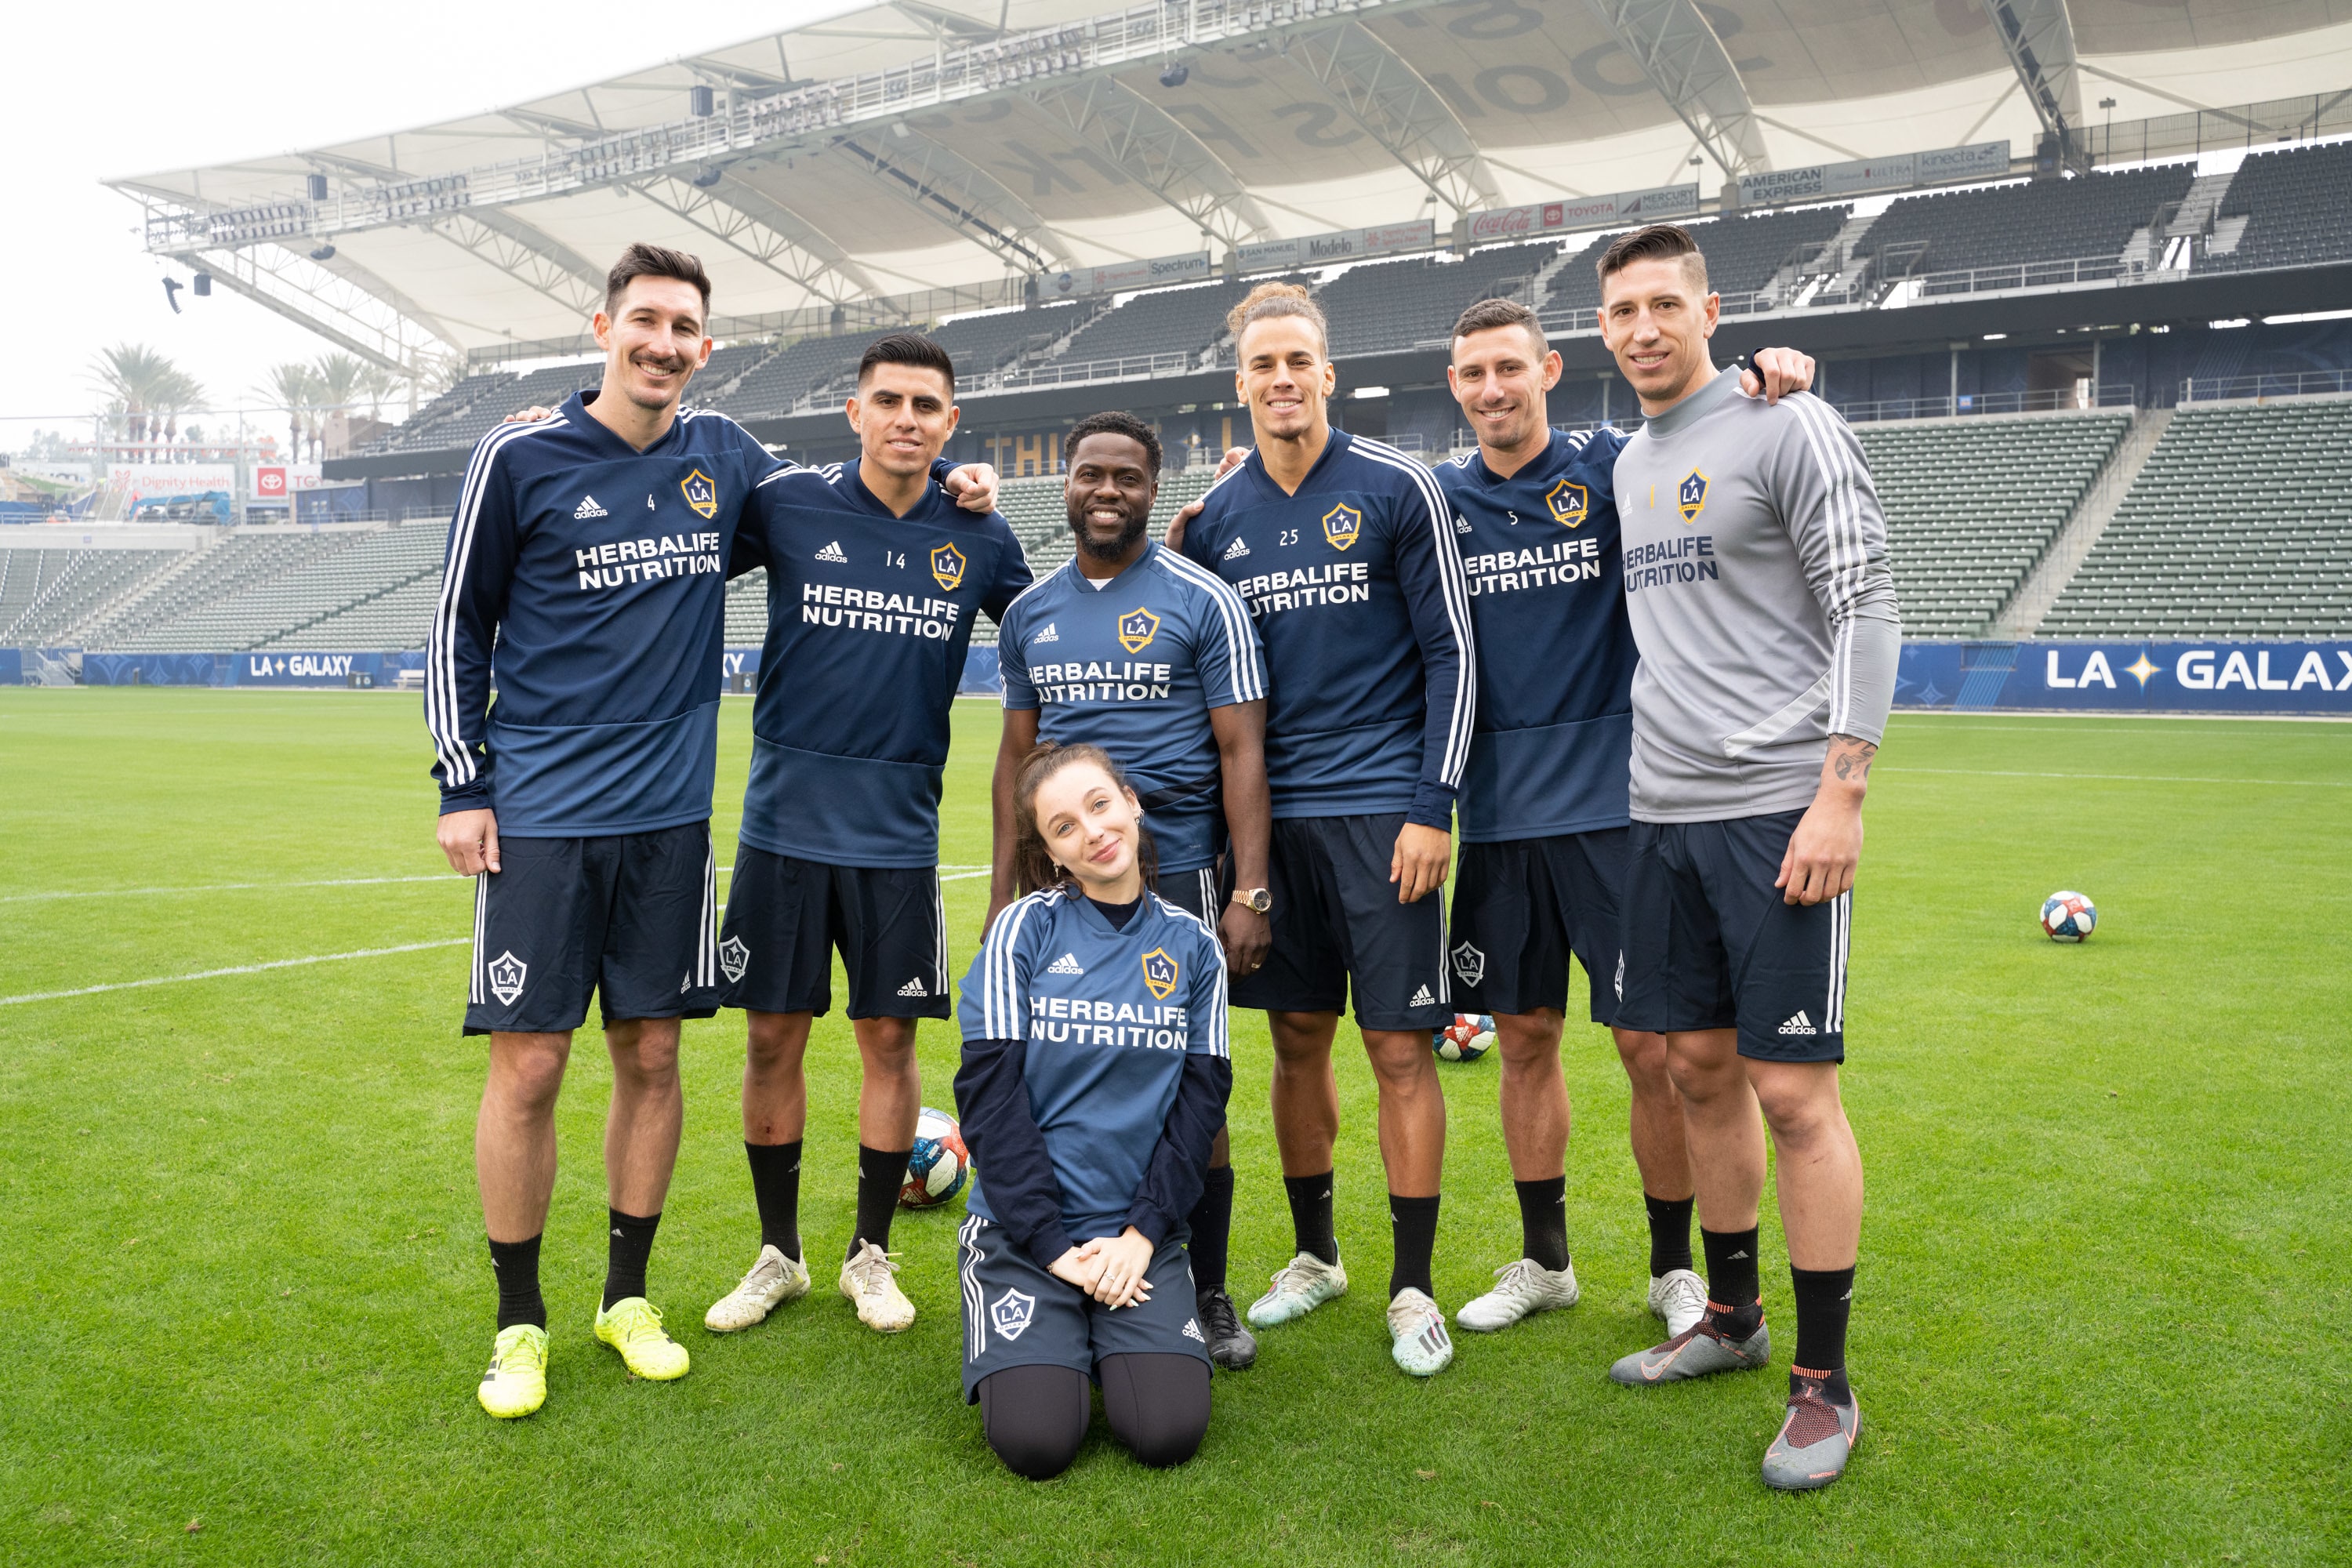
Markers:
(2104, 1272)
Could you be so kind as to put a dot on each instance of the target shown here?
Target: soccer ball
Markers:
(1468, 1037)
(938, 1164)
(2068, 917)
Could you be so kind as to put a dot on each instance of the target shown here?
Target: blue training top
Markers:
(1133, 664)
(587, 581)
(868, 617)
(1104, 1027)
(1555, 738)
(1358, 593)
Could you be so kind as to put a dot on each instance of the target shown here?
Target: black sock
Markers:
(1212, 1223)
(1543, 1221)
(1734, 1294)
(1670, 1220)
(516, 1263)
(1825, 1301)
(776, 1187)
(1413, 1222)
(1310, 1214)
(880, 1176)
(625, 1251)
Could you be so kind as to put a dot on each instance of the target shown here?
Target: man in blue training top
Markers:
(1544, 815)
(1343, 549)
(874, 579)
(1134, 649)
(585, 579)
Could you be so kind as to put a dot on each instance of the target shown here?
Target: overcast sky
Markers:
(136, 85)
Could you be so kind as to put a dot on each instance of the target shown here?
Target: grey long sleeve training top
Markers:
(1755, 579)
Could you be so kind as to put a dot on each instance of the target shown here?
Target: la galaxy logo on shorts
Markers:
(1011, 1312)
(1569, 503)
(1690, 496)
(1341, 524)
(700, 493)
(1137, 628)
(947, 565)
(1160, 972)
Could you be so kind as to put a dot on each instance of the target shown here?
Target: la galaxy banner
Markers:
(2211, 677)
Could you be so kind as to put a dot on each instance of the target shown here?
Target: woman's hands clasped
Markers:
(1112, 1269)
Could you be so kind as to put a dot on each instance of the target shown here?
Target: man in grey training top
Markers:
(1756, 581)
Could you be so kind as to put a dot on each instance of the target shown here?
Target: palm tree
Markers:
(143, 382)
(293, 387)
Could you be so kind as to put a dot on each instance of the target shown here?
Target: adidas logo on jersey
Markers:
(913, 988)
(1236, 550)
(1193, 1330)
(1049, 634)
(1461, 525)
(1065, 964)
(1422, 998)
(587, 508)
(832, 551)
(1799, 1025)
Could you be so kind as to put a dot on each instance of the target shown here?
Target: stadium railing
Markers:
(2114, 395)
(1062, 373)
(2254, 388)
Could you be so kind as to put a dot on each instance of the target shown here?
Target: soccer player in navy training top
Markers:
(1343, 549)
(874, 580)
(1543, 805)
(1094, 1074)
(1758, 587)
(1132, 647)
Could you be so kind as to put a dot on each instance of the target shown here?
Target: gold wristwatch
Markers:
(1257, 899)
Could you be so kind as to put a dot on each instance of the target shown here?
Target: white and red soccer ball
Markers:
(1468, 1037)
(2068, 917)
(938, 1164)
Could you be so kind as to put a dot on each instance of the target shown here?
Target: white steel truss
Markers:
(1372, 83)
(1678, 50)
(2038, 35)
(1148, 145)
(747, 221)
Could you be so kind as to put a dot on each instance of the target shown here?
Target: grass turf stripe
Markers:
(2122, 778)
(239, 969)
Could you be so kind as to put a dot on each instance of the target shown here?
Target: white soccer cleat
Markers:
(1417, 1334)
(869, 1277)
(773, 1280)
(1300, 1286)
(1679, 1298)
(1521, 1289)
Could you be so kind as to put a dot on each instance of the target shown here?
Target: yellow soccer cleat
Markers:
(632, 1326)
(516, 1383)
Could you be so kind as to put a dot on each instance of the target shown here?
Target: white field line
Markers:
(2128, 778)
(239, 969)
(948, 874)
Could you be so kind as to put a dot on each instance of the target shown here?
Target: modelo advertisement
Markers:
(2146, 677)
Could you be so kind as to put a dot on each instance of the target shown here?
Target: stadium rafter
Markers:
(753, 225)
(1149, 146)
(1678, 50)
(2038, 35)
(952, 190)
(1399, 111)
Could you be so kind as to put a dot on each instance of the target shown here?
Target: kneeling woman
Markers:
(1094, 1077)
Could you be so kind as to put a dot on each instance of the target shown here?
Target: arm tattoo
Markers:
(1849, 758)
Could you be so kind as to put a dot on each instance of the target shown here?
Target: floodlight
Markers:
(318, 187)
(204, 281)
(702, 100)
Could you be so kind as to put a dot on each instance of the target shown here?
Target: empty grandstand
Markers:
(2239, 526)
(2037, 221)
(1385, 305)
(46, 593)
(2290, 207)
(1972, 503)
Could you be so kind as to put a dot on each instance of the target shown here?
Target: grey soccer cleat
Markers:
(1230, 1346)
(1815, 1441)
(1698, 1350)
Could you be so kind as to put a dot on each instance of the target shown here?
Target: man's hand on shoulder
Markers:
(1777, 373)
(530, 415)
(973, 485)
(470, 840)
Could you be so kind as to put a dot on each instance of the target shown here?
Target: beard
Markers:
(1116, 547)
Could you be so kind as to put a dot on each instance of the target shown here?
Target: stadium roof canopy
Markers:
(926, 156)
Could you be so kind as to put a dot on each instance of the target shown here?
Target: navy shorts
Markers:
(1201, 893)
(1522, 906)
(1338, 926)
(627, 918)
(1017, 1314)
(785, 917)
(1710, 945)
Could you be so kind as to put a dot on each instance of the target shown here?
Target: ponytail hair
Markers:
(1034, 868)
(1268, 300)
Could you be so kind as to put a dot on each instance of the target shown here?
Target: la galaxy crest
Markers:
(1690, 496)
(947, 565)
(1341, 524)
(700, 493)
(1160, 972)
(1137, 628)
(1569, 503)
